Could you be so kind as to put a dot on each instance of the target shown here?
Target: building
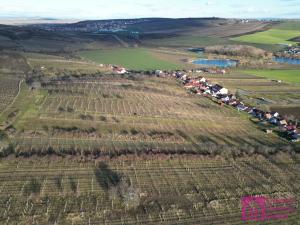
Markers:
(119, 70)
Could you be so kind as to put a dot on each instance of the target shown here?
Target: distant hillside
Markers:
(106, 34)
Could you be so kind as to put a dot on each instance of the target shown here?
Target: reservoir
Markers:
(224, 63)
(287, 60)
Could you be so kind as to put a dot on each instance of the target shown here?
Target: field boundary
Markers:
(15, 98)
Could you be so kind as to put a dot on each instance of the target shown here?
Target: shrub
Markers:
(237, 50)
(134, 131)
(103, 118)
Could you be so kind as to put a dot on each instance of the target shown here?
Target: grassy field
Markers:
(52, 65)
(131, 58)
(292, 76)
(187, 41)
(281, 34)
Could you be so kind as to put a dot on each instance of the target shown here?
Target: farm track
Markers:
(123, 43)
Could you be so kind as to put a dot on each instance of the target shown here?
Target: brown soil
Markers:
(288, 111)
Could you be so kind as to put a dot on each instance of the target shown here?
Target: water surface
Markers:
(287, 60)
(216, 62)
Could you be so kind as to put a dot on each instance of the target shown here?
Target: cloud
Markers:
(103, 9)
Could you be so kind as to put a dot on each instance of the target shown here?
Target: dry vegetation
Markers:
(51, 65)
(9, 86)
(145, 190)
(115, 116)
(237, 50)
(81, 147)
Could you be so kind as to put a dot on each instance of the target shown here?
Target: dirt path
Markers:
(123, 43)
(20, 83)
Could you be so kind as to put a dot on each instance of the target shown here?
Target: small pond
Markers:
(216, 62)
(287, 60)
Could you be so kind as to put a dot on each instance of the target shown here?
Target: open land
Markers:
(82, 145)
(137, 59)
(182, 190)
(281, 34)
(291, 76)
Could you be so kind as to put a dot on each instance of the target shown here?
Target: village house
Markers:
(249, 110)
(295, 137)
(241, 107)
(119, 70)
(268, 131)
(275, 114)
(201, 86)
(282, 123)
(215, 88)
(268, 116)
(159, 73)
(203, 80)
(273, 120)
(223, 91)
(293, 51)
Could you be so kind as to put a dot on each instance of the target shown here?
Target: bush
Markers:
(124, 132)
(237, 50)
(134, 131)
(103, 118)
(3, 135)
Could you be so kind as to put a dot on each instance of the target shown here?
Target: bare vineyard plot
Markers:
(115, 115)
(163, 191)
(9, 87)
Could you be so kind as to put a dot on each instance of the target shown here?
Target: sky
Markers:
(119, 9)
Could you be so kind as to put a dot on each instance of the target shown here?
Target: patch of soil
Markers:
(288, 111)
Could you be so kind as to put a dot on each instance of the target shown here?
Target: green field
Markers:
(131, 58)
(187, 41)
(292, 76)
(281, 34)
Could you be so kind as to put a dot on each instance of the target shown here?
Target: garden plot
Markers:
(163, 191)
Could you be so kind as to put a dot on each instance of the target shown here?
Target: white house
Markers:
(184, 77)
(159, 73)
(203, 80)
(119, 70)
(223, 91)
